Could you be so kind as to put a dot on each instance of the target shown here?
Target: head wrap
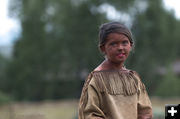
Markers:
(113, 27)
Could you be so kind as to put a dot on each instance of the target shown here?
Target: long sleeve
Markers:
(144, 105)
(90, 105)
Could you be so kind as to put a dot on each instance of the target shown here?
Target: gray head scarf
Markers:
(113, 27)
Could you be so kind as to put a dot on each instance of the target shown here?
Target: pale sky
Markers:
(9, 27)
(173, 4)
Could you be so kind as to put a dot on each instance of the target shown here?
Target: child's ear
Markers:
(102, 48)
(131, 46)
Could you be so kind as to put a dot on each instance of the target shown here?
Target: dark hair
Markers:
(113, 27)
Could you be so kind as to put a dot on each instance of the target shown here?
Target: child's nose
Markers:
(120, 46)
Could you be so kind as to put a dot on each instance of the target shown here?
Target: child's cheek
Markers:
(109, 48)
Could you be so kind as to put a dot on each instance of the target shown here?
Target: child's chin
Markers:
(119, 61)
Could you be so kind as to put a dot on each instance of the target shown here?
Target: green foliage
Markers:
(58, 42)
(169, 86)
(156, 34)
(3, 63)
(4, 99)
(58, 45)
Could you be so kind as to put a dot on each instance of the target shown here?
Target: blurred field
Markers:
(64, 109)
(159, 106)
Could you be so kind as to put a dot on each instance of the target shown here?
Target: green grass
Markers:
(64, 109)
(158, 105)
(42, 110)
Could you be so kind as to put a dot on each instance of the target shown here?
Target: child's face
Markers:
(116, 48)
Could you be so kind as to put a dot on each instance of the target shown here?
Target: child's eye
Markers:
(125, 42)
(113, 44)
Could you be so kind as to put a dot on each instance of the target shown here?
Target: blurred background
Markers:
(52, 45)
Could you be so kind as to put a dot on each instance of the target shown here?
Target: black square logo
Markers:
(172, 111)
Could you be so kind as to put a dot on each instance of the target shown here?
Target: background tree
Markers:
(157, 38)
(57, 47)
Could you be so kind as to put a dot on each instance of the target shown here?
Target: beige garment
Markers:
(114, 95)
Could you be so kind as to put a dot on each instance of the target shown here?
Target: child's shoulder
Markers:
(114, 81)
(99, 71)
(109, 75)
(100, 75)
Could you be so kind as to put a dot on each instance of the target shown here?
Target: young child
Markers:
(112, 91)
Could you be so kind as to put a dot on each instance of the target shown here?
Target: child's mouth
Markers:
(120, 54)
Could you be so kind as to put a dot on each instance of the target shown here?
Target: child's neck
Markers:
(113, 66)
(107, 65)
